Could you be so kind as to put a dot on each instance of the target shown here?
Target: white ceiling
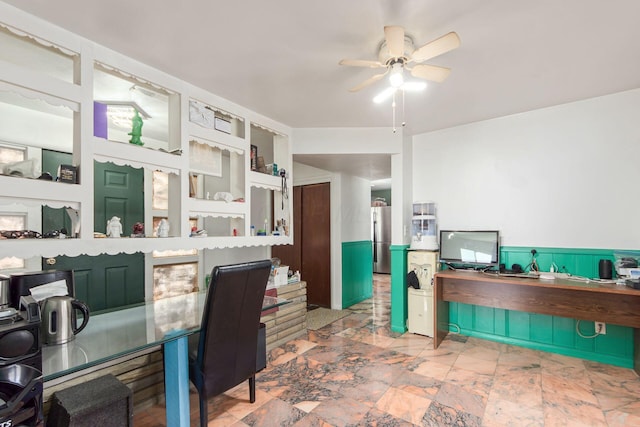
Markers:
(280, 58)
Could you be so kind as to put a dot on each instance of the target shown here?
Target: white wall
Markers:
(355, 209)
(345, 140)
(214, 257)
(564, 176)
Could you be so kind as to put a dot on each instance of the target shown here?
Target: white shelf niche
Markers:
(216, 171)
(119, 95)
(125, 154)
(213, 122)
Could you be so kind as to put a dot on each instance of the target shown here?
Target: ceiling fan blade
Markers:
(367, 82)
(394, 36)
(436, 47)
(361, 63)
(431, 72)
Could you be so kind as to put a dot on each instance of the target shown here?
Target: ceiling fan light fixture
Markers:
(384, 95)
(396, 79)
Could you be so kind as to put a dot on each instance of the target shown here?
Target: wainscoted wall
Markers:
(538, 331)
(399, 267)
(357, 272)
(544, 332)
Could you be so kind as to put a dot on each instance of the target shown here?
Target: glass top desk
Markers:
(167, 322)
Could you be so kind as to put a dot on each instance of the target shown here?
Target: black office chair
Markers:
(223, 355)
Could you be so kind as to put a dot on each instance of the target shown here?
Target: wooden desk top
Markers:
(604, 302)
(569, 284)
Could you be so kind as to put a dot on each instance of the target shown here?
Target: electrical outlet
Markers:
(601, 328)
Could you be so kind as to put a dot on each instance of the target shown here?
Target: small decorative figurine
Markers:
(114, 227)
(138, 230)
(136, 131)
(163, 228)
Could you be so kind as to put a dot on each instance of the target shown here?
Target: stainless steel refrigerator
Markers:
(381, 237)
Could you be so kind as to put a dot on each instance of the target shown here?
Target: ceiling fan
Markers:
(397, 53)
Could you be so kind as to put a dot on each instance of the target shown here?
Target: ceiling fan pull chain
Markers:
(403, 121)
(393, 109)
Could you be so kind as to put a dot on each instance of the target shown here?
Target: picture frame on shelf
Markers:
(254, 157)
(68, 174)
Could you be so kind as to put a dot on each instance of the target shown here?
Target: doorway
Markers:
(311, 249)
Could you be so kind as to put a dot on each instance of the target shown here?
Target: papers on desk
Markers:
(48, 290)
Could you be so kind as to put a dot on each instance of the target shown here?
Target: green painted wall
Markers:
(538, 331)
(399, 288)
(357, 272)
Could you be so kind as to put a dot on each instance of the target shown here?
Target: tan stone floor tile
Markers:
(480, 366)
(433, 369)
(499, 413)
(404, 405)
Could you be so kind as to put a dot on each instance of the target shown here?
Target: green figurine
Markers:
(136, 131)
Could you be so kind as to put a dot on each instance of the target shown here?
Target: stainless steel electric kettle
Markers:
(59, 319)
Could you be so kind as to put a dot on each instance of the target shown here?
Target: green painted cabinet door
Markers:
(54, 219)
(118, 191)
(107, 282)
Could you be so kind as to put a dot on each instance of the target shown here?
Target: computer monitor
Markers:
(470, 249)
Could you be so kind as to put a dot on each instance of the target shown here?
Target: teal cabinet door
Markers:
(118, 191)
(55, 219)
(105, 282)
(108, 282)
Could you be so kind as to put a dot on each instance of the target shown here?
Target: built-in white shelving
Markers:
(88, 73)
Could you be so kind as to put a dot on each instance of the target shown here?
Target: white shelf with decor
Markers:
(217, 169)
(124, 154)
(60, 93)
(270, 182)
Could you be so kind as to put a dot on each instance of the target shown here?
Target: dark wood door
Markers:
(311, 250)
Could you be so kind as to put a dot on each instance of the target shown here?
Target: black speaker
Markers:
(103, 401)
(21, 379)
(605, 269)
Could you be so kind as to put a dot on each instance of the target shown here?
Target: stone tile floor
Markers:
(356, 372)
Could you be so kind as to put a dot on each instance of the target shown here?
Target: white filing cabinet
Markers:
(420, 301)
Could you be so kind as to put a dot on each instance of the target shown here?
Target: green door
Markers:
(106, 282)
(118, 191)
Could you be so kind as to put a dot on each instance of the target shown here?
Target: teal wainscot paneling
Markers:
(399, 287)
(543, 332)
(357, 272)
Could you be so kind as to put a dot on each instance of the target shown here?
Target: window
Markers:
(160, 191)
(174, 279)
(175, 272)
(10, 154)
(12, 222)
